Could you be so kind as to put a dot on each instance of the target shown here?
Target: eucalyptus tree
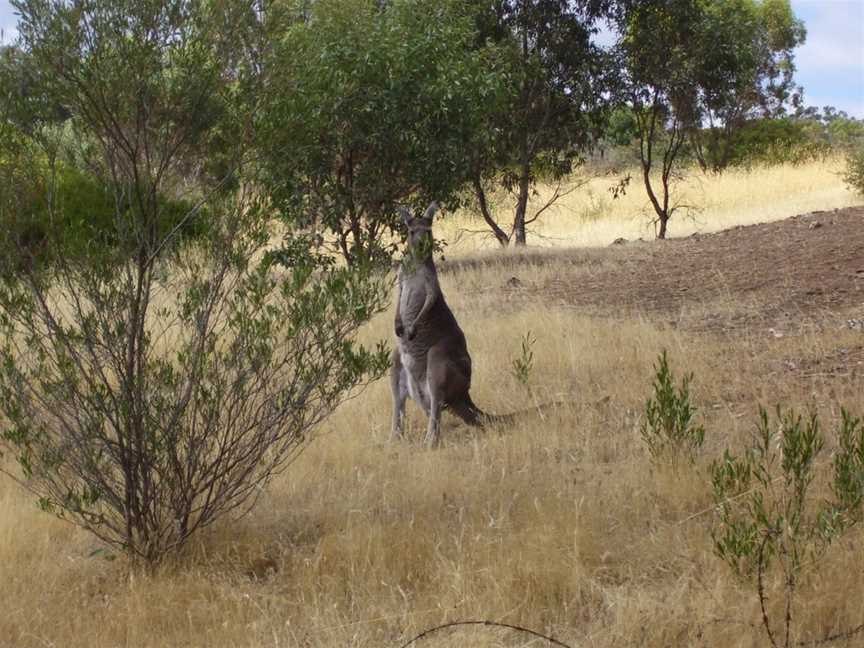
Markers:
(745, 53)
(555, 98)
(370, 106)
(694, 71)
(659, 84)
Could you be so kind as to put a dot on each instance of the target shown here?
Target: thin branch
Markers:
(839, 636)
(760, 586)
(492, 624)
(192, 213)
(556, 196)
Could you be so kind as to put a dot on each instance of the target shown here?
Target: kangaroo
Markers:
(430, 362)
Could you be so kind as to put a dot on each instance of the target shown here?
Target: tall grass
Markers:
(589, 216)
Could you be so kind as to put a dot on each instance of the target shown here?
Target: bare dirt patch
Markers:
(807, 270)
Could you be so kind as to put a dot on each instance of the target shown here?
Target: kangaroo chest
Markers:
(413, 352)
(413, 290)
(413, 295)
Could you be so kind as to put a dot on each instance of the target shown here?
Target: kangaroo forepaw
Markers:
(411, 332)
(399, 329)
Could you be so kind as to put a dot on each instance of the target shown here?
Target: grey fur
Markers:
(430, 362)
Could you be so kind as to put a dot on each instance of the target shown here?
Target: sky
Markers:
(831, 61)
(830, 64)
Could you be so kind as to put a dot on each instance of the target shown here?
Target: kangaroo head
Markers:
(420, 231)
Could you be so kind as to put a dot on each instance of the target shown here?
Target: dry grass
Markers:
(590, 217)
(559, 523)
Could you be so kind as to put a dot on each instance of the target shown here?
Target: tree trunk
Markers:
(524, 155)
(699, 150)
(662, 214)
(500, 235)
(522, 206)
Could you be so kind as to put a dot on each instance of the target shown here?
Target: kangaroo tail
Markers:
(475, 417)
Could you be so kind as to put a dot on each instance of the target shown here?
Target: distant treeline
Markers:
(803, 136)
(346, 109)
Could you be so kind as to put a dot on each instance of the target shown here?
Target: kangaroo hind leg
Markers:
(433, 430)
(447, 383)
(436, 382)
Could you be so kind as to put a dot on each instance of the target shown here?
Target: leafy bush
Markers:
(143, 442)
(778, 141)
(854, 176)
(78, 213)
(669, 429)
(766, 511)
(845, 133)
(145, 397)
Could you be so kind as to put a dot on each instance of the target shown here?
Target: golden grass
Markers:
(590, 217)
(559, 523)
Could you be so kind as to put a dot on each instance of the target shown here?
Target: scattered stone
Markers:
(619, 241)
(776, 334)
(514, 282)
(814, 225)
(856, 324)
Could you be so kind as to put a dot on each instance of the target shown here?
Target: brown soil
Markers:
(807, 270)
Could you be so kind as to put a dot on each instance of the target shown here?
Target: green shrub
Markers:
(854, 176)
(669, 429)
(81, 222)
(767, 514)
(524, 364)
(778, 141)
(845, 133)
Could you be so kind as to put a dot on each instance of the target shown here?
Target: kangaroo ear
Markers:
(405, 215)
(430, 211)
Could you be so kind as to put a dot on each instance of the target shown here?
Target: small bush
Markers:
(767, 514)
(143, 453)
(524, 364)
(669, 429)
(778, 141)
(751, 512)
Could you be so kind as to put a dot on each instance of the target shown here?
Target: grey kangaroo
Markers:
(430, 362)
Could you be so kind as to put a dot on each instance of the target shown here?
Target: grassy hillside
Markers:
(559, 523)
